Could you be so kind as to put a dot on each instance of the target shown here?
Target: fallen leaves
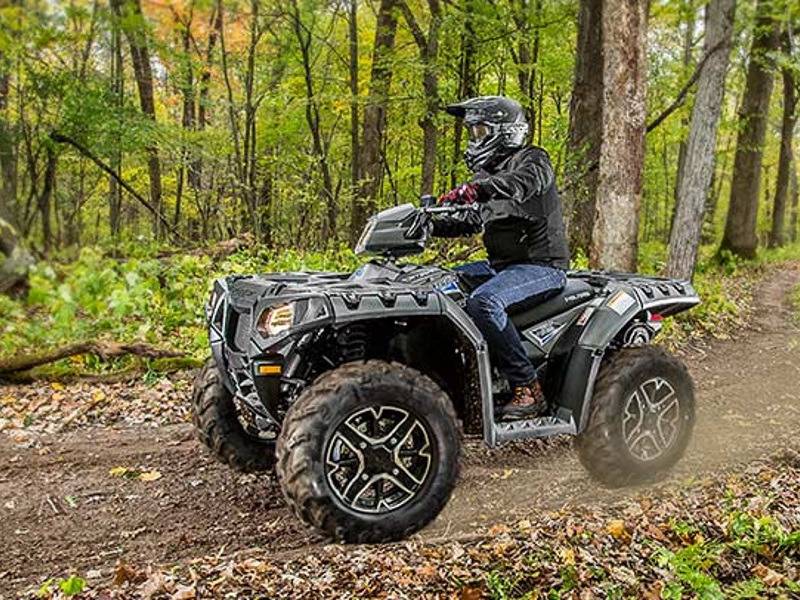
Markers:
(130, 473)
(471, 593)
(61, 406)
(120, 472)
(769, 577)
(124, 573)
(575, 551)
(616, 528)
(149, 476)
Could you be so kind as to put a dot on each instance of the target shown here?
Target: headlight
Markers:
(276, 319)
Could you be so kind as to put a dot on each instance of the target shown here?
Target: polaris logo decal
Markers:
(577, 297)
(544, 333)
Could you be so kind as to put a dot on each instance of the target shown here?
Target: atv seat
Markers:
(574, 293)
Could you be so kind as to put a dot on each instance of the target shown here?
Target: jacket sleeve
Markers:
(466, 222)
(529, 176)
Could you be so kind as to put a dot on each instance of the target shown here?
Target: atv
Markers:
(355, 387)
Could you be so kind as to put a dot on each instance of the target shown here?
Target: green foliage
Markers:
(725, 302)
(96, 296)
(691, 565)
(71, 586)
(500, 587)
(747, 536)
(760, 535)
(143, 298)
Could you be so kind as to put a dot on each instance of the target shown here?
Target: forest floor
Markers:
(113, 498)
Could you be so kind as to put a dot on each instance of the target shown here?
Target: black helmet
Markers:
(495, 125)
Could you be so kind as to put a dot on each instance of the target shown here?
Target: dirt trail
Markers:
(63, 512)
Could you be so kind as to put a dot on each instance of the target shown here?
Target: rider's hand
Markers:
(463, 194)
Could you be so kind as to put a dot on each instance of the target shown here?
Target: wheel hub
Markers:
(378, 459)
(651, 419)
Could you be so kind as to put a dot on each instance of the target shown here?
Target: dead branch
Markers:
(658, 120)
(681, 97)
(103, 350)
(60, 138)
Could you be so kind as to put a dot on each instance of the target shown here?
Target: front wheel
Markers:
(641, 419)
(369, 453)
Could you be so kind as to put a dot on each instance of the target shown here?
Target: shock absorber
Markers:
(352, 343)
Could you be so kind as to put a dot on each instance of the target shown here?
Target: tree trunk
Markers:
(429, 54)
(740, 227)
(203, 90)
(694, 185)
(140, 59)
(620, 172)
(187, 116)
(686, 61)
(44, 201)
(371, 160)
(250, 123)
(352, 38)
(526, 54)
(240, 157)
(585, 127)
(118, 92)
(467, 86)
(795, 193)
(8, 159)
(312, 112)
(786, 159)
(430, 85)
(688, 47)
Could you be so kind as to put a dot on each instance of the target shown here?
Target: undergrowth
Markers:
(732, 563)
(143, 297)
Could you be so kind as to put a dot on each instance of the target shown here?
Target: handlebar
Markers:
(423, 218)
(447, 208)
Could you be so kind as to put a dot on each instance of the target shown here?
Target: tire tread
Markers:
(596, 446)
(218, 428)
(297, 441)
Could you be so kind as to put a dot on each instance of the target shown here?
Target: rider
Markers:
(523, 230)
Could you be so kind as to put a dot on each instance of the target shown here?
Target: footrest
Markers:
(532, 428)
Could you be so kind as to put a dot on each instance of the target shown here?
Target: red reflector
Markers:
(656, 317)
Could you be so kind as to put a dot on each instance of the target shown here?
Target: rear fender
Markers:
(603, 321)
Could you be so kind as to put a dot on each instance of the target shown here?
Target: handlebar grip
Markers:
(427, 201)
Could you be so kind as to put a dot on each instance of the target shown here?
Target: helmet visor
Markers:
(478, 131)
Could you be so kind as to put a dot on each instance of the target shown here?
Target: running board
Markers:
(506, 431)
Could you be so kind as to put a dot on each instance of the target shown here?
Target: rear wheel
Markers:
(369, 452)
(218, 427)
(641, 420)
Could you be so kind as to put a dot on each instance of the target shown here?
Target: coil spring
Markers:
(352, 343)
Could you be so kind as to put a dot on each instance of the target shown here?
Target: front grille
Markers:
(240, 369)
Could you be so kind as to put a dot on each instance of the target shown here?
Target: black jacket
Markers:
(520, 212)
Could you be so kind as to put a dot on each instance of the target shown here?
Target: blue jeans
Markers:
(494, 295)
